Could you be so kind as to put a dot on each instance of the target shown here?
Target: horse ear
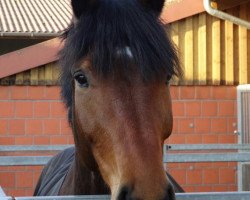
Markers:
(80, 6)
(155, 5)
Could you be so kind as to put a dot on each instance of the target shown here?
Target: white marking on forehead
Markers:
(129, 52)
(126, 50)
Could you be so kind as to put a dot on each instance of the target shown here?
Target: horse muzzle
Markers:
(127, 193)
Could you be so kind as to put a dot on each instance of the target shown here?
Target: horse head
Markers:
(117, 62)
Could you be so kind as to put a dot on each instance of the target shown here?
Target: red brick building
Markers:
(204, 101)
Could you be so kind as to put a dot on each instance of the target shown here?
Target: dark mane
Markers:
(112, 25)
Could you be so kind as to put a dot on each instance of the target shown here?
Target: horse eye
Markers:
(81, 79)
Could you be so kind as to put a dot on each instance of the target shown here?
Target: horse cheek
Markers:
(85, 112)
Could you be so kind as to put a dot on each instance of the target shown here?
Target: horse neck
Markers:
(91, 182)
(82, 181)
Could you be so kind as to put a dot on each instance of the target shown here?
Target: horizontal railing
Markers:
(183, 196)
(188, 147)
(23, 148)
(178, 147)
(169, 156)
(172, 153)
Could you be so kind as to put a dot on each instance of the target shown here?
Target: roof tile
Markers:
(47, 17)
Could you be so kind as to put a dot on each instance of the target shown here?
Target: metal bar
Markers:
(18, 148)
(24, 160)
(183, 196)
(90, 197)
(207, 157)
(185, 147)
(224, 16)
(243, 122)
(187, 157)
(214, 196)
(179, 147)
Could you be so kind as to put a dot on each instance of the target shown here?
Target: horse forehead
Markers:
(87, 63)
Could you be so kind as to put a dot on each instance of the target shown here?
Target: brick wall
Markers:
(204, 115)
(36, 115)
(30, 115)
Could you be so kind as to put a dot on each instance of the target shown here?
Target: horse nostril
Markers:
(125, 193)
(170, 195)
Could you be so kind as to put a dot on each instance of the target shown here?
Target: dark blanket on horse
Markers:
(55, 171)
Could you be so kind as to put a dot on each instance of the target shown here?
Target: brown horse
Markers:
(116, 65)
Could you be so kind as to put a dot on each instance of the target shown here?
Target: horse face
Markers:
(120, 109)
(125, 120)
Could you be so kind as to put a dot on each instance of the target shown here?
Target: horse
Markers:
(116, 65)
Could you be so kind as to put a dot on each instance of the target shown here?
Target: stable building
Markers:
(214, 53)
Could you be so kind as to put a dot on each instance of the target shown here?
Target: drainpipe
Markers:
(222, 15)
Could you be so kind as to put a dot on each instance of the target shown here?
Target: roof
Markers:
(50, 17)
(34, 17)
